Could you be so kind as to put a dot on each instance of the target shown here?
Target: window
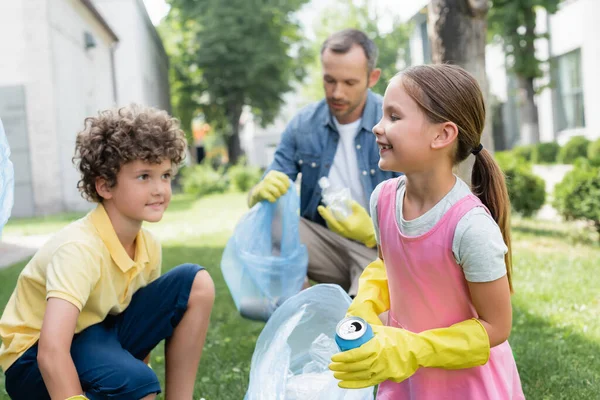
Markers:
(569, 87)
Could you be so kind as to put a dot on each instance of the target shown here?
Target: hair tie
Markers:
(477, 149)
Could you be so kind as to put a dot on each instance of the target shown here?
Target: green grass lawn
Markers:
(556, 330)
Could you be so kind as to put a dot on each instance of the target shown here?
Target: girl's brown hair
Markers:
(448, 93)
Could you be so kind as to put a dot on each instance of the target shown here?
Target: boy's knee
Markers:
(134, 380)
(203, 290)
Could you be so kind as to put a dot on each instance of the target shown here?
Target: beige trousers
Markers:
(331, 257)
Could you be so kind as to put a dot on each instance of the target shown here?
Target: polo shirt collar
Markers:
(103, 225)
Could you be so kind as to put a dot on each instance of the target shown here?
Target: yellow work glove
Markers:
(274, 185)
(358, 226)
(395, 354)
(373, 295)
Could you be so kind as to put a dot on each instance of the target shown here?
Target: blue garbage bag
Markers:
(292, 353)
(7, 179)
(260, 271)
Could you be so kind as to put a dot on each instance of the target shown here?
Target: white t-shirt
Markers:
(344, 171)
(478, 245)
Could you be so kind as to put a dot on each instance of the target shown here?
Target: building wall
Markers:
(13, 77)
(575, 26)
(26, 71)
(141, 63)
(48, 84)
(83, 83)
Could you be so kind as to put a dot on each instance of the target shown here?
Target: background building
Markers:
(64, 60)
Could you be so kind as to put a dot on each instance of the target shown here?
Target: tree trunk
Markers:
(457, 31)
(234, 149)
(529, 126)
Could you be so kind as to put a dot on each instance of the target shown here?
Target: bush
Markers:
(505, 159)
(594, 153)
(201, 180)
(243, 177)
(578, 195)
(545, 153)
(527, 192)
(523, 152)
(576, 147)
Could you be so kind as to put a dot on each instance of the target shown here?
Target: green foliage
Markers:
(594, 153)
(513, 23)
(577, 197)
(231, 54)
(361, 15)
(185, 78)
(201, 180)
(523, 152)
(206, 178)
(505, 159)
(527, 192)
(243, 177)
(575, 148)
(545, 153)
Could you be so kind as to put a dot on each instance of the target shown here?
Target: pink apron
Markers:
(428, 290)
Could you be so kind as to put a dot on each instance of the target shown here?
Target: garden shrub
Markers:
(545, 153)
(202, 179)
(577, 197)
(576, 147)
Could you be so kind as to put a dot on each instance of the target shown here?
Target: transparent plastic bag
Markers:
(260, 272)
(7, 180)
(295, 347)
(338, 200)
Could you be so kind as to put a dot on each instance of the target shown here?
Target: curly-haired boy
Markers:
(91, 304)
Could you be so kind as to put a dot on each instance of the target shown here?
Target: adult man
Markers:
(333, 138)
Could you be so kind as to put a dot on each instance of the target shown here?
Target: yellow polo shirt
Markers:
(84, 264)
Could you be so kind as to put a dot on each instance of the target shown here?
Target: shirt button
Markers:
(364, 172)
(313, 165)
(358, 146)
(300, 162)
(372, 172)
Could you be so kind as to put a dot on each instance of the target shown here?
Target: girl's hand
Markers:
(396, 354)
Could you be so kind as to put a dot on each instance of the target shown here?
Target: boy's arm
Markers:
(54, 349)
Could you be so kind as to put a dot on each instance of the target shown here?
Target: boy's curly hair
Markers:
(117, 136)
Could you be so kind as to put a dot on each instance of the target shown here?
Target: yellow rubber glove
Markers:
(358, 226)
(373, 295)
(395, 354)
(274, 185)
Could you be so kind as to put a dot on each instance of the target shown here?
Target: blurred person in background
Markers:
(333, 138)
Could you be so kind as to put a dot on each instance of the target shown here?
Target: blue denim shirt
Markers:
(309, 143)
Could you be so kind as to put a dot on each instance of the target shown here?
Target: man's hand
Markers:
(358, 226)
(272, 187)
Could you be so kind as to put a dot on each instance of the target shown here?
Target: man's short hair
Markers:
(341, 42)
(117, 136)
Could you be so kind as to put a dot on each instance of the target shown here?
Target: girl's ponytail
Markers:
(488, 183)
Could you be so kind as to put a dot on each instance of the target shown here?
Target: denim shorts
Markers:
(109, 356)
